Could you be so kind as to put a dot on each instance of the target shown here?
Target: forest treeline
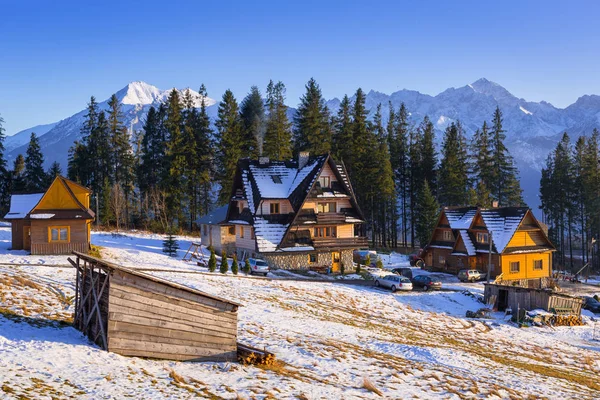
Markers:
(181, 166)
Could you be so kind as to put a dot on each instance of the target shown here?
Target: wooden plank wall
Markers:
(150, 319)
(59, 248)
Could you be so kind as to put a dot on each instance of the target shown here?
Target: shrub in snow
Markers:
(224, 265)
(170, 245)
(212, 261)
(342, 269)
(247, 267)
(234, 265)
(368, 260)
(379, 263)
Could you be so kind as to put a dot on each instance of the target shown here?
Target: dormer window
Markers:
(276, 178)
(482, 237)
(447, 236)
(274, 208)
(324, 181)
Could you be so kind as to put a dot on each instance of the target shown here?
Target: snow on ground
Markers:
(329, 337)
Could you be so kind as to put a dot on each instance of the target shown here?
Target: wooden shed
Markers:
(515, 297)
(136, 314)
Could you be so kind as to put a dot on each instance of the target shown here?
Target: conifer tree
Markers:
(5, 181)
(53, 172)
(175, 178)
(252, 112)
(399, 159)
(152, 148)
(342, 134)
(247, 267)
(35, 176)
(482, 164)
(428, 155)
(224, 265)
(18, 175)
(234, 265)
(504, 182)
(453, 172)
(277, 142)
(170, 245)
(229, 129)
(427, 209)
(312, 125)
(212, 261)
(205, 155)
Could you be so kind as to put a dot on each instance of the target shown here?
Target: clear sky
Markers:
(55, 54)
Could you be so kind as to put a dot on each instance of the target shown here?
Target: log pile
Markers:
(248, 355)
(566, 320)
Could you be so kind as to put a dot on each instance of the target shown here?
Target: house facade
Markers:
(521, 253)
(57, 221)
(293, 214)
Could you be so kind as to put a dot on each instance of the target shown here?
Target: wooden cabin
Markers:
(136, 314)
(521, 253)
(57, 221)
(295, 214)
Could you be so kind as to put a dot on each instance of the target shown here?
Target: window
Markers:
(252, 234)
(59, 234)
(324, 181)
(232, 230)
(274, 208)
(442, 260)
(482, 237)
(241, 232)
(326, 231)
(448, 235)
(205, 228)
(538, 265)
(312, 258)
(515, 267)
(276, 178)
(326, 207)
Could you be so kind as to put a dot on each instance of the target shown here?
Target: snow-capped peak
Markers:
(139, 93)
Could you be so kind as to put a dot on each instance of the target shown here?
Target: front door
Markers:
(335, 261)
(27, 238)
(502, 300)
(472, 263)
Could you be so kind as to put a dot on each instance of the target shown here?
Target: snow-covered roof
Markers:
(22, 204)
(503, 223)
(467, 242)
(214, 217)
(268, 235)
(460, 218)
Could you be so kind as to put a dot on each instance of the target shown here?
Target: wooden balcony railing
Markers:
(332, 242)
(331, 218)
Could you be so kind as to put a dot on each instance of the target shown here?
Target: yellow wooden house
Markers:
(57, 221)
(521, 253)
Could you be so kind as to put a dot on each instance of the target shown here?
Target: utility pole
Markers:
(489, 268)
(97, 212)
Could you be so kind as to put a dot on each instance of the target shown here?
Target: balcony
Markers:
(324, 218)
(336, 243)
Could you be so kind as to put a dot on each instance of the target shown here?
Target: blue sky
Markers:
(55, 55)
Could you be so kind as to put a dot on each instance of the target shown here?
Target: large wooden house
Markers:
(520, 248)
(57, 221)
(294, 214)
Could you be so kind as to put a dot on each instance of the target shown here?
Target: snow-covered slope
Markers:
(22, 137)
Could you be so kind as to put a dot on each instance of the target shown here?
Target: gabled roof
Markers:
(22, 204)
(460, 218)
(214, 217)
(502, 223)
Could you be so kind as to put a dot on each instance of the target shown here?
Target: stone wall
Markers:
(299, 261)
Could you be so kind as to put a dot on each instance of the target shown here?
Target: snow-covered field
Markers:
(331, 338)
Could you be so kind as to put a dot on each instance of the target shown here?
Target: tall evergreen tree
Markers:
(312, 125)
(5, 181)
(427, 210)
(206, 155)
(18, 183)
(277, 143)
(482, 164)
(398, 143)
(428, 166)
(342, 134)
(175, 172)
(454, 168)
(229, 128)
(35, 176)
(504, 182)
(252, 111)
(53, 172)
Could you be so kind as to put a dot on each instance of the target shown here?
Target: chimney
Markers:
(303, 159)
(495, 204)
(263, 160)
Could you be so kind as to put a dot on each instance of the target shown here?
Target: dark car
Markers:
(407, 272)
(426, 282)
(590, 303)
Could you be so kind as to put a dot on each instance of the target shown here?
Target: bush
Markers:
(368, 260)
(224, 266)
(379, 263)
(234, 265)
(247, 267)
(212, 261)
(342, 269)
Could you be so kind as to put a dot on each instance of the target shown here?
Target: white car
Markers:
(259, 267)
(394, 282)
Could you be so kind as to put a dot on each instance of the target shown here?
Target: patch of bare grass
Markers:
(370, 386)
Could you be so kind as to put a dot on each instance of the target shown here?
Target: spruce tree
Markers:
(312, 125)
(453, 172)
(399, 159)
(342, 134)
(247, 267)
(205, 155)
(428, 166)
(53, 172)
(224, 265)
(234, 265)
(170, 245)
(427, 209)
(504, 185)
(229, 130)
(277, 142)
(174, 183)
(35, 176)
(482, 164)
(252, 112)
(5, 181)
(212, 261)
(18, 175)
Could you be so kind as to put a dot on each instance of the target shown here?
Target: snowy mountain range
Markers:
(532, 129)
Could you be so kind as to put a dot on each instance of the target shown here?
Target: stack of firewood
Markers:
(252, 356)
(566, 320)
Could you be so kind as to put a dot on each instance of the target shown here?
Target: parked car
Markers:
(469, 275)
(416, 260)
(426, 282)
(394, 282)
(258, 267)
(407, 272)
(590, 303)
